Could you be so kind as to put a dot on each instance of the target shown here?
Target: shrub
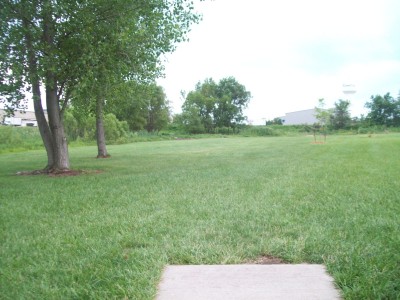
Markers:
(19, 138)
(258, 131)
(363, 130)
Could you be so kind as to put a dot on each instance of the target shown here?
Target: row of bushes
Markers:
(292, 130)
(19, 138)
(85, 129)
(15, 139)
(273, 130)
(28, 138)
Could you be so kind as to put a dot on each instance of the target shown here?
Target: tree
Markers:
(232, 99)
(130, 104)
(341, 118)
(65, 44)
(191, 120)
(324, 117)
(142, 106)
(116, 41)
(384, 110)
(158, 111)
(275, 121)
(202, 102)
(216, 105)
(77, 127)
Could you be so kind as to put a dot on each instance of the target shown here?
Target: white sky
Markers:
(290, 53)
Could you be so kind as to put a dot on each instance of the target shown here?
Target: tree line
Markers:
(383, 111)
(211, 107)
(145, 108)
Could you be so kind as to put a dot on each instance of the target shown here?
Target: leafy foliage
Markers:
(213, 105)
(384, 110)
(142, 106)
(323, 114)
(85, 128)
(275, 121)
(15, 139)
(340, 118)
(157, 110)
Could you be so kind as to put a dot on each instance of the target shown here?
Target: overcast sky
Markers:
(290, 53)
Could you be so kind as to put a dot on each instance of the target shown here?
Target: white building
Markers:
(20, 118)
(300, 117)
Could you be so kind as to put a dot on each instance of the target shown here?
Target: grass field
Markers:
(108, 235)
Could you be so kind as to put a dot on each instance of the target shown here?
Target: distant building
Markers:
(20, 118)
(300, 117)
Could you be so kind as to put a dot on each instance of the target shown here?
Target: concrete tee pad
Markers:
(255, 282)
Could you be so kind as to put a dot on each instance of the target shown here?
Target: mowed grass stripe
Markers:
(208, 201)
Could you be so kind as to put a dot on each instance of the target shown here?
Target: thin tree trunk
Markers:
(100, 133)
(150, 121)
(44, 129)
(315, 135)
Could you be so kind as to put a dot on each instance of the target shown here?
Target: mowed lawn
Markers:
(108, 235)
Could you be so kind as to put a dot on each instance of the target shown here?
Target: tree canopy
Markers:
(341, 118)
(323, 114)
(384, 110)
(215, 105)
(142, 106)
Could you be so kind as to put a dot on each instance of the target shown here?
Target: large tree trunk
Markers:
(59, 140)
(60, 146)
(100, 134)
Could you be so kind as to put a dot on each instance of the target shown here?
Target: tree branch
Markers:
(65, 103)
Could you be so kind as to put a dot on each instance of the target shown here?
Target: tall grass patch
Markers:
(15, 139)
(209, 201)
(274, 130)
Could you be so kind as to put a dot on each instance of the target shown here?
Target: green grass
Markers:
(208, 201)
